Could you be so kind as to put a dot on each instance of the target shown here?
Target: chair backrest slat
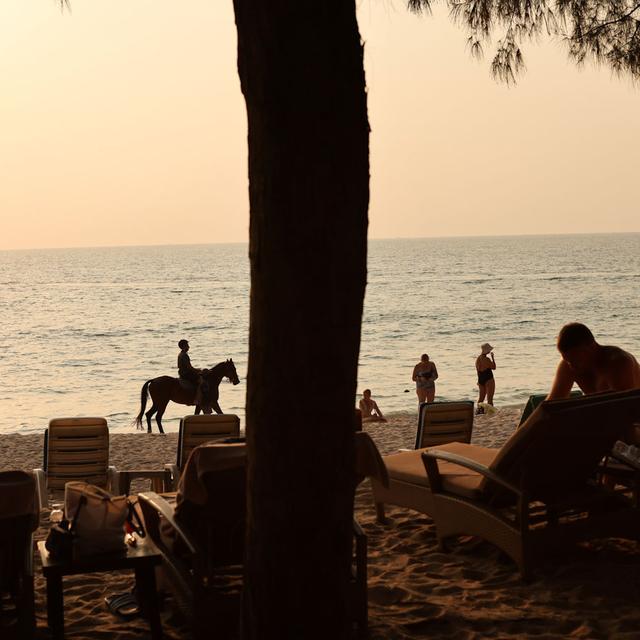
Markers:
(196, 430)
(442, 422)
(77, 449)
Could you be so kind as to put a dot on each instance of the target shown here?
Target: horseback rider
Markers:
(188, 373)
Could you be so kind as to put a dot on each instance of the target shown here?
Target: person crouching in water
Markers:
(187, 372)
(369, 408)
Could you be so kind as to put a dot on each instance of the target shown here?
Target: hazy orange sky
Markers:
(123, 123)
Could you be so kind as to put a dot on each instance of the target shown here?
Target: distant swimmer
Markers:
(369, 408)
(485, 367)
(592, 366)
(425, 375)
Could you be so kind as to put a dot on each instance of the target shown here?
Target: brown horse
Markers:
(165, 389)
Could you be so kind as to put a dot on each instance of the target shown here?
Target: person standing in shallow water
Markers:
(425, 375)
(485, 366)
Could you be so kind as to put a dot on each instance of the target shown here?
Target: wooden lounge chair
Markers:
(442, 422)
(74, 449)
(197, 430)
(202, 537)
(535, 400)
(408, 485)
(538, 490)
(369, 464)
(18, 521)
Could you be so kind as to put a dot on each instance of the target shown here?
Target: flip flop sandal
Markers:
(124, 605)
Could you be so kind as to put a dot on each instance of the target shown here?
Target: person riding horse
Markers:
(192, 376)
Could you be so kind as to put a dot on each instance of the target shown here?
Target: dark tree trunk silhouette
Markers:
(301, 70)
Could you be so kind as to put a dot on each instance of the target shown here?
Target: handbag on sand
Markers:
(99, 524)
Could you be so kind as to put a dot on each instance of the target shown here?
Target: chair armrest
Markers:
(153, 504)
(41, 487)
(175, 476)
(113, 479)
(436, 454)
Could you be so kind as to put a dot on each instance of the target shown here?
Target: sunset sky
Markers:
(122, 123)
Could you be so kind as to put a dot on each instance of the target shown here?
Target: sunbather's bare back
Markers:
(593, 367)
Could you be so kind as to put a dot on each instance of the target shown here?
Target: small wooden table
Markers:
(160, 479)
(142, 558)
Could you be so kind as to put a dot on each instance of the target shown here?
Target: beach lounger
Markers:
(442, 422)
(369, 464)
(18, 520)
(407, 483)
(538, 490)
(534, 401)
(75, 449)
(197, 430)
(201, 537)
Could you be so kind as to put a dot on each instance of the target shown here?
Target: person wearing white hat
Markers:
(485, 366)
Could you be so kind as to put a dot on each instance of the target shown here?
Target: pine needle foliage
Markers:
(604, 31)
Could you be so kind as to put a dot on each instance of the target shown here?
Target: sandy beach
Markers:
(414, 590)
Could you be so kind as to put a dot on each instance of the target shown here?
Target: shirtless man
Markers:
(369, 408)
(593, 367)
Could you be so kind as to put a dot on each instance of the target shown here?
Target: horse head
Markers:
(230, 372)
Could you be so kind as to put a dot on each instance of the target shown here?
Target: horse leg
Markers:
(159, 415)
(216, 406)
(149, 414)
(197, 411)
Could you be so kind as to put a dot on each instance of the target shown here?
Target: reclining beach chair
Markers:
(202, 537)
(18, 520)
(538, 490)
(535, 400)
(75, 449)
(369, 464)
(443, 422)
(408, 486)
(197, 430)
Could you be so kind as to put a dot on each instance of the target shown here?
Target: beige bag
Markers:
(99, 526)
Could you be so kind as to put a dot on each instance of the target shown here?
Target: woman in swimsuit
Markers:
(485, 367)
(425, 375)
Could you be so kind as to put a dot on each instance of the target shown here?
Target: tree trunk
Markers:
(301, 70)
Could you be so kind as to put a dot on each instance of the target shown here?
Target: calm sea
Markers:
(83, 329)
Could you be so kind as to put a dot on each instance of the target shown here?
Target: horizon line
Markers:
(246, 242)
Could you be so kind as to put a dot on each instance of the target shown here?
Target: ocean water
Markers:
(83, 329)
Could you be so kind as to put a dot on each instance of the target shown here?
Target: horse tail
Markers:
(143, 404)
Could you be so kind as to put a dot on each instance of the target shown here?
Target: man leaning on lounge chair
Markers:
(595, 368)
